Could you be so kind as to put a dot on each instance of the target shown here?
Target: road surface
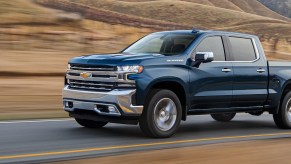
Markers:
(54, 140)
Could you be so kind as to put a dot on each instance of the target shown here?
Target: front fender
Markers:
(144, 87)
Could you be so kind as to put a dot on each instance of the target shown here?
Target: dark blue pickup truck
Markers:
(162, 78)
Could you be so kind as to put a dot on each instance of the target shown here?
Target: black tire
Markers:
(90, 124)
(281, 118)
(223, 117)
(154, 109)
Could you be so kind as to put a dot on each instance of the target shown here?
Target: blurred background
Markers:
(38, 37)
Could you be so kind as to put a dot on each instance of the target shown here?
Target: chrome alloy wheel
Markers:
(165, 114)
(288, 108)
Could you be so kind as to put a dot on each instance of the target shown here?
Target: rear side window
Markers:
(242, 49)
(212, 44)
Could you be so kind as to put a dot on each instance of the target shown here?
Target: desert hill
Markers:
(246, 17)
(282, 7)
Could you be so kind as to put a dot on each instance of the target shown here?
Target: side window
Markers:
(213, 44)
(242, 49)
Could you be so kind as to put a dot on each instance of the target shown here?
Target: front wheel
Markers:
(283, 117)
(162, 115)
(223, 117)
(90, 123)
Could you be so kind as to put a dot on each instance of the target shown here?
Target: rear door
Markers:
(250, 73)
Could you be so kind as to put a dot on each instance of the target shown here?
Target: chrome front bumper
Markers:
(88, 100)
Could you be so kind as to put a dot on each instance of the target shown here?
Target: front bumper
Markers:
(121, 100)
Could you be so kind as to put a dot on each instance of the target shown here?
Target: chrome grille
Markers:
(101, 79)
(91, 85)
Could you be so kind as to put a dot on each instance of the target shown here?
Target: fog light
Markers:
(68, 104)
(105, 109)
(112, 109)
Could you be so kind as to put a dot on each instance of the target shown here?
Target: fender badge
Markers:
(175, 60)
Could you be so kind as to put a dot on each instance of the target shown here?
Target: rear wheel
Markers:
(283, 117)
(162, 115)
(223, 117)
(90, 123)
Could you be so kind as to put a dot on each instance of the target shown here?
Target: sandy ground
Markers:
(259, 152)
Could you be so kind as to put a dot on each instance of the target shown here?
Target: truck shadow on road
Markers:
(233, 127)
(187, 129)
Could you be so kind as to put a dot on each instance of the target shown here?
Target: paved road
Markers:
(53, 140)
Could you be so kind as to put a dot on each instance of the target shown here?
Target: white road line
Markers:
(38, 120)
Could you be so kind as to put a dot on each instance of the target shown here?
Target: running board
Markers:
(224, 110)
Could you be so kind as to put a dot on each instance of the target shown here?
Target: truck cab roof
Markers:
(214, 32)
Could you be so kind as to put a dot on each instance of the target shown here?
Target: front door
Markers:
(211, 83)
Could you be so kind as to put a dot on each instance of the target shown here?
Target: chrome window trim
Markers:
(252, 61)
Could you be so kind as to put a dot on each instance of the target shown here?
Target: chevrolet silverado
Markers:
(166, 76)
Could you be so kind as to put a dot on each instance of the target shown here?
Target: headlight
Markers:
(69, 66)
(130, 69)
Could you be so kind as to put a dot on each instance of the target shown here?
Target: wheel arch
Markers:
(285, 90)
(175, 85)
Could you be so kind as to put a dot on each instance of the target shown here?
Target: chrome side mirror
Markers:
(204, 57)
(201, 57)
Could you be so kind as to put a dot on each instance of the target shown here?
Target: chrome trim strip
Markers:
(99, 79)
(94, 72)
(91, 68)
(95, 79)
(92, 88)
(94, 84)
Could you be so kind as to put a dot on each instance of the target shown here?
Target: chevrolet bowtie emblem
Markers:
(85, 75)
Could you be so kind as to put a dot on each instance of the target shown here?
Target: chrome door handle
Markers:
(261, 70)
(226, 70)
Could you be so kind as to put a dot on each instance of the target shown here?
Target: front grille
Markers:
(92, 85)
(94, 75)
(101, 79)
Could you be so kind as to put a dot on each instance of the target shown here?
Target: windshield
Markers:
(167, 44)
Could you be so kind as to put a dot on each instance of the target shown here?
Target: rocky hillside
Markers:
(282, 7)
(247, 16)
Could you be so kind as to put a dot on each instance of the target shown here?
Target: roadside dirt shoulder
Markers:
(262, 151)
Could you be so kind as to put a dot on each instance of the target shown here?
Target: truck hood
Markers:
(113, 59)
